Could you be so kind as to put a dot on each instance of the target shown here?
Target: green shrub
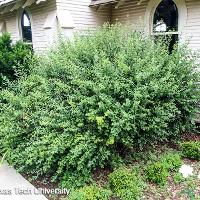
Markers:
(157, 173)
(191, 149)
(126, 184)
(94, 98)
(14, 59)
(90, 193)
(178, 178)
(172, 161)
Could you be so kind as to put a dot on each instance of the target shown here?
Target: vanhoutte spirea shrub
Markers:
(92, 98)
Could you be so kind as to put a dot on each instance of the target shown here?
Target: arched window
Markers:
(26, 27)
(165, 21)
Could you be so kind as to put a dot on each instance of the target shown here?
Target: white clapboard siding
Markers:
(11, 24)
(39, 15)
(84, 16)
(130, 13)
(193, 23)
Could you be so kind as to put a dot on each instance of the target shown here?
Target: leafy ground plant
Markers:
(91, 192)
(191, 149)
(171, 160)
(126, 184)
(157, 173)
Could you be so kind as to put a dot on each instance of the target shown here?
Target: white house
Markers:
(38, 21)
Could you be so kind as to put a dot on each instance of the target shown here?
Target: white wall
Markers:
(193, 23)
(85, 17)
(39, 13)
(130, 13)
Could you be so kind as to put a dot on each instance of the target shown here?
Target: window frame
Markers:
(20, 14)
(182, 18)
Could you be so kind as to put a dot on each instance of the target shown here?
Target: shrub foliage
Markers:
(104, 91)
(125, 184)
(157, 173)
(191, 149)
(91, 192)
(171, 160)
(14, 59)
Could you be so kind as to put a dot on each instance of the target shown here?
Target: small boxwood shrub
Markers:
(15, 59)
(91, 98)
(178, 178)
(157, 173)
(172, 161)
(126, 184)
(191, 149)
(90, 193)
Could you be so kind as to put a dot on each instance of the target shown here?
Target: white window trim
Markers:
(165, 33)
(149, 14)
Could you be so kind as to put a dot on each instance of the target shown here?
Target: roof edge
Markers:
(101, 2)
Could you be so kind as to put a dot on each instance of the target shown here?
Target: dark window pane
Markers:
(166, 20)
(26, 27)
(171, 40)
(166, 17)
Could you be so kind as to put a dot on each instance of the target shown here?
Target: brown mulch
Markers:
(45, 182)
(190, 136)
(100, 176)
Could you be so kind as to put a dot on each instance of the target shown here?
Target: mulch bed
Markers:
(101, 177)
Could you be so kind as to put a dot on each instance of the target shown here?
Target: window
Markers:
(165, 22)
(26, 27)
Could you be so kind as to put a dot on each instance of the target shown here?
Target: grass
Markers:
(2, 159)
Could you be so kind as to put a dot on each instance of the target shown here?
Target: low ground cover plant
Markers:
(15, 59)
(93, 98)
(191, 149)
(171, 160)
(159, 171)
(91, 192)
(126, 184)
